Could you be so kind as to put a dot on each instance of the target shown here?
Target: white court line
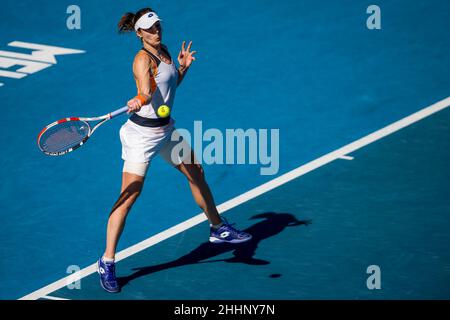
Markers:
(346, 158)
(53, 298)
(274, 183)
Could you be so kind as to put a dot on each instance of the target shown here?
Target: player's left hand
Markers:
(186, 56)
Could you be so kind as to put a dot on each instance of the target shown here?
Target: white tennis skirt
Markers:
(141, 144)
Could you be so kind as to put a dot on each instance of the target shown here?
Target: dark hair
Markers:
(128, 20)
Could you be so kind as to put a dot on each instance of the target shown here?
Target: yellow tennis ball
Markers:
(163, 111)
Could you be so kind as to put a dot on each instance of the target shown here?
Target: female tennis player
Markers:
(148, 132)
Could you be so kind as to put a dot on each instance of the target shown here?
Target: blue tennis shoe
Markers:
(107, 272)
(226, 233)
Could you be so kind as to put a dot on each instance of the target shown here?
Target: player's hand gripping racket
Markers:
(68, 134)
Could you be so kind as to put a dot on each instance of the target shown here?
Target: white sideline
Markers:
(253, 193)
(53, 298)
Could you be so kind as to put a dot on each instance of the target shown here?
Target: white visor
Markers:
(146, 21)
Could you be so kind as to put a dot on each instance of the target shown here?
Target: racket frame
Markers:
(102, 120)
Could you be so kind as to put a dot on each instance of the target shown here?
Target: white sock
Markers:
(217, 226)
(107, 260)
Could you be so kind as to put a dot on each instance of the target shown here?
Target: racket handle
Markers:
(119, 111)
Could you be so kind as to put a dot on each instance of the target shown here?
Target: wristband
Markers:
(141, 98)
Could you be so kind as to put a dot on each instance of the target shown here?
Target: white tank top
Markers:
(166, 78)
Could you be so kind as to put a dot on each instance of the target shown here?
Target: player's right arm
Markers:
(142, 72)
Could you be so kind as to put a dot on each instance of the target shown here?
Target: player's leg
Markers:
(221, 230)
(179, 154)
(137, 150)
(200, 190)
(131, 188)
(132, 182)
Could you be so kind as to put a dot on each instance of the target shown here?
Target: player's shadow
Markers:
(272, 224)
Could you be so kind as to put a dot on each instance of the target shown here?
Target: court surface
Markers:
(355, 187)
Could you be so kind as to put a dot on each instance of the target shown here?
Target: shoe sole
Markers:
(107, 290)
(217, 240)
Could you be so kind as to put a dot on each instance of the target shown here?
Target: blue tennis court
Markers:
(356, 186)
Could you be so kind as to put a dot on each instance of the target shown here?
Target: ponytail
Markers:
(126, 23)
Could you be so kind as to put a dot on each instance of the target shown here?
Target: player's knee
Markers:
(200, 172)
(130, 199)
(131, 192)
(135, 194)
(196, 174)
(133, 197)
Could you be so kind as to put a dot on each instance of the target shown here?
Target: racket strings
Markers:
(64, 136)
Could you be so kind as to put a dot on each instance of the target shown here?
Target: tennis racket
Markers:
(68, 134)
